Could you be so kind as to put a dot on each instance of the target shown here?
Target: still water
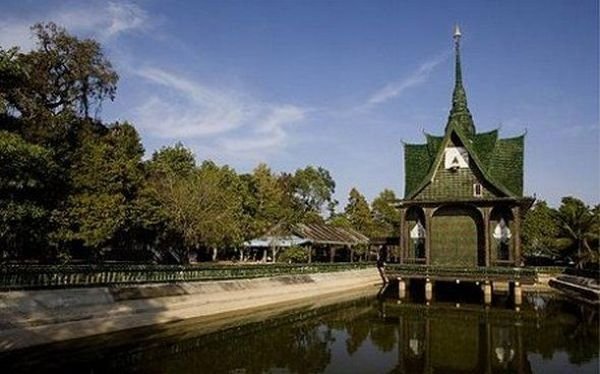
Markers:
(365, 335)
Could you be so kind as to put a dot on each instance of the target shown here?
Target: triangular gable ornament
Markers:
(456, 157)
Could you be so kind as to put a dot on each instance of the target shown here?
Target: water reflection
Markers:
(363, 336)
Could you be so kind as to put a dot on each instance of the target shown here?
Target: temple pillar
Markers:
(517, 293)
(428, 290)
(516, 211)
(486, 234)
(401, 288)
(428, 217)
(487, 293)
(403, 235)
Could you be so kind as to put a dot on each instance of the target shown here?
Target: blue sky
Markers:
(341, 84)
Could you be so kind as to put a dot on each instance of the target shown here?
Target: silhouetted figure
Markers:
(381, 257)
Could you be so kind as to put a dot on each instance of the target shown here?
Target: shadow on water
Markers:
(364, 335)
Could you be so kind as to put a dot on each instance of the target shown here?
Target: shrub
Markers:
(294, 255)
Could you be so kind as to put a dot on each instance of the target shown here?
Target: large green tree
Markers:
(578, 227)
(269, 201)
(540, 230)
(358, 213)
(26, 175)
(195, 209)
(46, 98)
(107, 176)
(64, 74)
(386, 217)
(313, 187)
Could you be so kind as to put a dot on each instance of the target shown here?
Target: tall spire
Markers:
(459, 114)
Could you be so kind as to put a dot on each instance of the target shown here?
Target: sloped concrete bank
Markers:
(29, 318)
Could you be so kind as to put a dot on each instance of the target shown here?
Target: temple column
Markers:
(428, 216)
(401, 288)
(517, 293)
(428, 290)
(487, 293)
(403, 235)
(516, 211)
(486, 233)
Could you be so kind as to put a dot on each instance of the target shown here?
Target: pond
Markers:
(365, 335)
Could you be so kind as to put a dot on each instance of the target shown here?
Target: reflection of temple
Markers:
(446, 340)
(463, 193)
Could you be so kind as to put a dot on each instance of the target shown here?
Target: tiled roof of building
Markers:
(500, 160)
(314, 233)
(318, 233)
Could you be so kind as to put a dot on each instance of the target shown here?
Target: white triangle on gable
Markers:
(456, 157)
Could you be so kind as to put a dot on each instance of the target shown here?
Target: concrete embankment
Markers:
(30, 318)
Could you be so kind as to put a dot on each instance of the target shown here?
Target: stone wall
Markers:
(33, 317)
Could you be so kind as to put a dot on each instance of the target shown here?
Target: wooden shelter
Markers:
(320, 240)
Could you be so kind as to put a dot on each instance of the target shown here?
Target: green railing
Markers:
(22, 276)
(463, 273)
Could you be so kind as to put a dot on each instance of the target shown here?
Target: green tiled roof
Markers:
(506, 164)
(484, 144)
(417, 160)
(500, 161)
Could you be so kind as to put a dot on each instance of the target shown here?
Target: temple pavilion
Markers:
(463, 202)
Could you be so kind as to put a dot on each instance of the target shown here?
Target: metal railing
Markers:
(461, 272)
(60, 276)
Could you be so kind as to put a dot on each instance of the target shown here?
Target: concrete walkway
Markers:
(30, 318)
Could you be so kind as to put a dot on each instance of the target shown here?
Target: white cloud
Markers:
(187, 110)
(124, 17)
(419, 76)
(269, 135)
(102, 21)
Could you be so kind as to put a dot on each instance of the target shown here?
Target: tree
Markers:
(540, 229)
(358, 213)
(64, 74)
(106, 177)
(223, 229)
(386, 217)
(314, 188)
(12, 76)
(199, 209)
(270, 204)
(578, 225)
(26, 175)
(176, 159)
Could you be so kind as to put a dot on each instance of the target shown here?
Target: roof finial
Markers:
(457, 33)
(460, 111)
